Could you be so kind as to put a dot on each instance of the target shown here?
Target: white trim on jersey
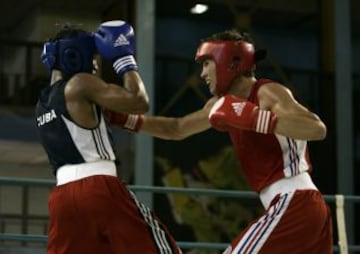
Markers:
(92, 144)
(99, 144)
(260, 231)
(159, 235)
(304, 165)
(294, 157)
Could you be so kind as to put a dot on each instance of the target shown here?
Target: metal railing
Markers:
(25, 183)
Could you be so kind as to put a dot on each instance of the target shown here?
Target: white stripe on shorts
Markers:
(158, 233)
(260, 231)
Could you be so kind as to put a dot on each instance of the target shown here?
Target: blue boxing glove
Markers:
(115, 41)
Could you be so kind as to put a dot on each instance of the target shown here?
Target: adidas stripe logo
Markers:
(263, 121)
(238, 107)
(121, 41)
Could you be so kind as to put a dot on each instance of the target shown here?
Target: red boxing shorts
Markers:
(297, 222)
(98, 214)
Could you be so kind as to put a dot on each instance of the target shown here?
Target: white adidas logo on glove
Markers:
(121, 41)
(238, 107)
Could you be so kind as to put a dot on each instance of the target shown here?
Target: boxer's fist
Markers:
(126, 121)
(115, 41)
(230, 111)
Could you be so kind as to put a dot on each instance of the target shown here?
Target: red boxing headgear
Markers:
(232, 58)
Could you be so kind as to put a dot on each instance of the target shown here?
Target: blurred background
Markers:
(313, 48)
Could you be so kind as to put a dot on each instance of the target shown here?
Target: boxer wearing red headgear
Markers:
(232, 59)
(269, 130)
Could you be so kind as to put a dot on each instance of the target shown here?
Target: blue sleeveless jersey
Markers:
(64, 141)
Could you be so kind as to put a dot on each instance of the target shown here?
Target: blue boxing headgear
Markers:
(71, 51)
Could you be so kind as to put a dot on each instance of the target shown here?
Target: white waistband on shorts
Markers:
(299, 182)
(73, 172)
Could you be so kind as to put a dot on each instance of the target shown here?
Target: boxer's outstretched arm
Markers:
(173, 128)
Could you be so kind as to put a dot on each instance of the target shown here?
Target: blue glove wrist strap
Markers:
(124, 64)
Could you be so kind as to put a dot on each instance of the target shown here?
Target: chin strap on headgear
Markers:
(70, 55)
(232, 59)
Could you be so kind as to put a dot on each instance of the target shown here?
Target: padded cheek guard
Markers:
(232, 59)
(70, 55)
(48, 55)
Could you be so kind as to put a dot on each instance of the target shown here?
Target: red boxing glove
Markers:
(126, 121)
(231, 111)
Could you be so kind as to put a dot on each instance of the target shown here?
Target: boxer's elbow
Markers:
(320, 132)
(141, 105)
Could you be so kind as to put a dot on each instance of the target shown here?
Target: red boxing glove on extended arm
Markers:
(231, 111)
(126, 121)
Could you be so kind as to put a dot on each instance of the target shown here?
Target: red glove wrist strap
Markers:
(134, 122)
(266, 122)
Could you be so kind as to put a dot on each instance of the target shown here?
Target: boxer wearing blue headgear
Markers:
(91, 209)
(71, 51)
